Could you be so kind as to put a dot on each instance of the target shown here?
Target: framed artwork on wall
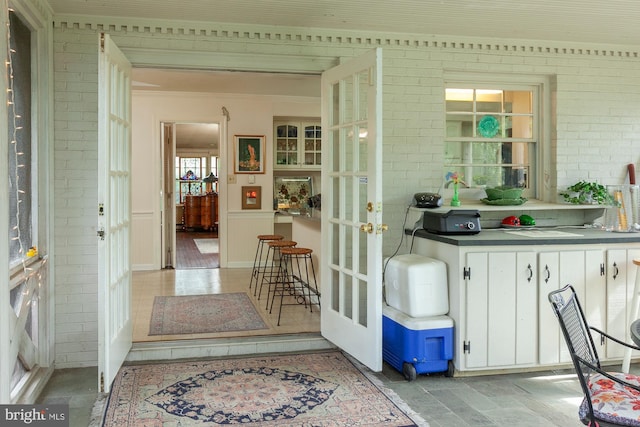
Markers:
(251, 197)
(249, 153)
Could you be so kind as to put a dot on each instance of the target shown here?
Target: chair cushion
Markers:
(612, 402)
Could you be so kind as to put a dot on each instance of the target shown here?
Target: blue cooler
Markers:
(417, 345)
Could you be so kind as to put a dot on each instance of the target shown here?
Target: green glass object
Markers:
(455, 201)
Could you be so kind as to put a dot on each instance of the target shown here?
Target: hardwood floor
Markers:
(187, 254)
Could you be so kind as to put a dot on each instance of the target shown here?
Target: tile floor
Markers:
(547, 398)
(527, 399)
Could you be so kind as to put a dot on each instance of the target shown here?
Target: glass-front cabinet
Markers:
(297, 145)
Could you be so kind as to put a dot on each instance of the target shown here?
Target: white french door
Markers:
(352, 207)
(115, 328)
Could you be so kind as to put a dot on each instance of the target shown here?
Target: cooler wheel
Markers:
(450, 369)
(409, 371)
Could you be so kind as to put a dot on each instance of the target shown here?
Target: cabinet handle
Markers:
(546, 269)
(615, 270)
(530, 273)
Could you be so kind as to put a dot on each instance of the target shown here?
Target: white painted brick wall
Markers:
(76, 124)
(598, 130)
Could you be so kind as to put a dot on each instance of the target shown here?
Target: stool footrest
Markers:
(306, 285)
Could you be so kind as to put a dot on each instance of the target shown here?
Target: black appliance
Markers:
(427, 200)
(458, 221)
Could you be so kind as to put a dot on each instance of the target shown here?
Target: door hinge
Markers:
(466, 273)
(102, 42)
(100, 209)
(602, 269)
(101, 382)
(466, 347)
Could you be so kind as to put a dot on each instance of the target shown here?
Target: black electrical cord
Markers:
(384, 267)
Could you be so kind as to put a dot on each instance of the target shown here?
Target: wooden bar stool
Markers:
(297, 280)
(260, 263)
(633, 316)
(272, 260)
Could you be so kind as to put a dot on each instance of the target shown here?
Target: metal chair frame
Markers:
(584, 355)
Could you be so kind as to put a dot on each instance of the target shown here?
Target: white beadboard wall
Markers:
(597, 130)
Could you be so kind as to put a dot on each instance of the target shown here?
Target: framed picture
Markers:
(249, 154)
(252, 197)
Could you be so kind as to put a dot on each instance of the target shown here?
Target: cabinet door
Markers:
(526, 309)
(548, 329)
(501, 337)
(286, 144)
(581, 269)
(617, 322)
(477, 310)
(501, 309)
(298, 145)
(312, 145)
(595, 303)
(621, 275)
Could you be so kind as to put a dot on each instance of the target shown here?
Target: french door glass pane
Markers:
(20, 143)
(362, 299)
(363, 92)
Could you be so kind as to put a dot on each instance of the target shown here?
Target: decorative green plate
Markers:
(505, 202)
(488, 126)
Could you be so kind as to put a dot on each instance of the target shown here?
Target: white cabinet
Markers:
(584, 270)
(501, 309)
(297, 145)
(493, 301)
(498, 298)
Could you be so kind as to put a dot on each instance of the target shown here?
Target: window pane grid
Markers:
(21, 155)
(490, 135)
(189, 174)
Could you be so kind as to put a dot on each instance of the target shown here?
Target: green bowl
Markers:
(499, 193)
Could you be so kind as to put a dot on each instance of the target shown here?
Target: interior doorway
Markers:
(191, 203)
(150, 284)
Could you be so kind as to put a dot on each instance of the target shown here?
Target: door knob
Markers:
(366, 228)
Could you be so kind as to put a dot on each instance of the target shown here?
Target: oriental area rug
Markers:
(199, 314)
(311, 389)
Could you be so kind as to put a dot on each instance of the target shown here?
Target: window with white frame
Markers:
(491, 134)
(30, 300)
(190, 171)
(21, 212)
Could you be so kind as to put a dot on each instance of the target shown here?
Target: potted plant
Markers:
(584, 193)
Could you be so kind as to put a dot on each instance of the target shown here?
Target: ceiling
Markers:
(593, 21)
(197, 136)
(567, 21)
(154, 79)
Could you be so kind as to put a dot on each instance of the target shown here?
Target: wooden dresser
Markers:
(201, 211)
